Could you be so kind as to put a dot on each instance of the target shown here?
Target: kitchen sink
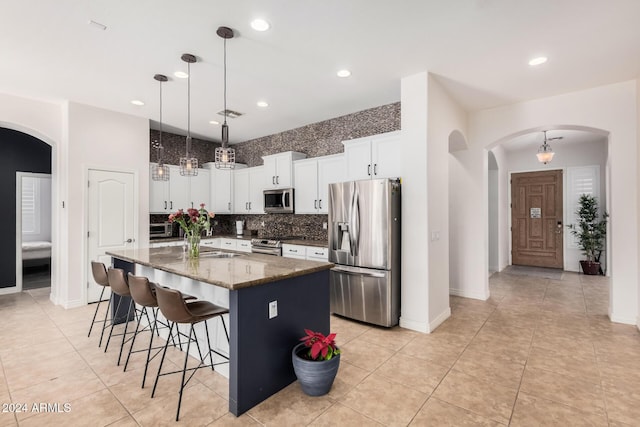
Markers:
(218, 255)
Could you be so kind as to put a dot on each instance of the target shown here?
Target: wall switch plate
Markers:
(273, 309)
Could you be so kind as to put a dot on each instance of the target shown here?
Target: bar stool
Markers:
(177, 310)
(99, 272)
(120, 287)
(143, 293)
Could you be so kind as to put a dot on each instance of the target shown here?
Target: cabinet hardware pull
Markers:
(320, 204)
(375, 169)
(278, 179)
(165, 204)
(229, 204)
(273, 179)
(369, 170)
(293, 250)
(249, 205)
(315, 204)
(171, 205)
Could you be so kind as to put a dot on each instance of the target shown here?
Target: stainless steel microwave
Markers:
(161, 229)
(278, 201)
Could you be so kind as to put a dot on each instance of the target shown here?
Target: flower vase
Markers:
(193, 246)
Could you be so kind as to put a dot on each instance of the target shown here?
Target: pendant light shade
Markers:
(188, 164)
(545, 152)
(160, 172)
(225, 157)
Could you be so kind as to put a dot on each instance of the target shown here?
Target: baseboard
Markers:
(438, 320)
(627, 320)
(469, 294)
(8, 290)
(72, 304)
(414, 325)
(638, 323)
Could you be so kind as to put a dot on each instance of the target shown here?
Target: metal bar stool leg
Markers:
(96, 312)
(126, 325)
(104, 322)
(184, 371)
(135, 335)
(164, 353)
(112, 325)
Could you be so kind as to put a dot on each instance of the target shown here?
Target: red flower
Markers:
(320, 347)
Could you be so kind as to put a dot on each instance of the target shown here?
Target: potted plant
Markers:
(315, 361)
(194, 222)
(590, 231)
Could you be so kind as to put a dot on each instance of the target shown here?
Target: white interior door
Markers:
(112, 220)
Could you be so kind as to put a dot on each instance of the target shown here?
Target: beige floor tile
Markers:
(230, 420)
(200, 407)
(553, 339)
(412, 372)
(391, 338)
(577, 365)
(7, 419)
(127, 421)
(534, 412)
(99, 408)
(346, 330)
(481, 397)
(498, 368)
(290, 407)
(214, 381)
(440, 348)
(623, 400)
(438, 413)
(368, 395)
(348, 377)
(365, 355)
(516, 351)
(21, 375)
(577, 393)
(340, 415)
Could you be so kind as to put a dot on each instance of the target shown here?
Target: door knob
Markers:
(129, 241)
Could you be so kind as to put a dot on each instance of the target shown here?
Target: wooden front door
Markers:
(536, 219)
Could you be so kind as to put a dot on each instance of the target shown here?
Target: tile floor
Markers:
(541, 351)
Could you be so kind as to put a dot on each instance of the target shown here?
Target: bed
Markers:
(36, 253)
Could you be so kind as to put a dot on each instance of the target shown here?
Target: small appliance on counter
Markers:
(160, 229)
(239, 228)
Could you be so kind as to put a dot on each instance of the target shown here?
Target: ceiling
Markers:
(530, 142)
(478, 49)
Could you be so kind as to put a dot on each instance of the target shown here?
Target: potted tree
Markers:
(590, 231)
(315, 361)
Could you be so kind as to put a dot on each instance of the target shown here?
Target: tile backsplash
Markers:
(317, 139)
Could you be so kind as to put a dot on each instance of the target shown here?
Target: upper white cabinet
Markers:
(180, 192)
(222, 188)
(312, 178)
(247, 190)
(376, 156)
(278, 169)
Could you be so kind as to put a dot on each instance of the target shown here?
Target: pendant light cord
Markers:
(225, 143)
(188, 109)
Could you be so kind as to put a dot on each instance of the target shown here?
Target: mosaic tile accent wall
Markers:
(317, 139)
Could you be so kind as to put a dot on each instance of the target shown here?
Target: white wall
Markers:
(610, 108)
(493, 183)
(591, 153)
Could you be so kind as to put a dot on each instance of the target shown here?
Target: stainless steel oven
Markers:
(278, 201)
(160, 229)
(266, 246)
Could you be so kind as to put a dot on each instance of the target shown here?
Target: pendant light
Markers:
(160, 172)
(225, 157)
(545, 152)
(188, 164)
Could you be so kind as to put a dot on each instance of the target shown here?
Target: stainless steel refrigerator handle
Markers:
(357, 273)
(354, 223)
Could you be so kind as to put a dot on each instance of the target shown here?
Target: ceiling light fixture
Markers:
(225, 157)
(137, 102)
(188, 164)
(343, 73)
(160, 172)
(262, 104)
(181, 74)
(214, 122)
(538, 61)
(545, 153)
(260, 25)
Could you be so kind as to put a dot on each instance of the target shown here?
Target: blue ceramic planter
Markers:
(315, 376)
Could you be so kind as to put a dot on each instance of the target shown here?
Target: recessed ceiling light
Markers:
(537, 61)
(262, 104)
(181, 74)
(260, 25)
(137, 102)
(343, 73)
(214, 122)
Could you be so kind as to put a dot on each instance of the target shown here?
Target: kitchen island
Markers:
(261, 337)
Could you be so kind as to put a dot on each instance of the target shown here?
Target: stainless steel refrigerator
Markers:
(364, 245)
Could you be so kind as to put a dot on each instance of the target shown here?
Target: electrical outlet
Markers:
(273, 309)
(324, 225)
(262, 223)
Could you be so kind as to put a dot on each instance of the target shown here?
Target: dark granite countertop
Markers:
(305, 242)
(242, 271)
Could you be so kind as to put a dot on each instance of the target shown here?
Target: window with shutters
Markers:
(580, 180)
(30, 205)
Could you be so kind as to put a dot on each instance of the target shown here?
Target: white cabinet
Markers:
(179, 192)
(311, 253)
(222, 188)
(211, 243)
(243, 245)
(232, 244)
(312, 177)
(279, 169)
(247, 190)
(377, 156)
(199, 190)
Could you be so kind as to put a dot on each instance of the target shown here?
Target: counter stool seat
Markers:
(99, 272)
(120, 287)
(177, 310)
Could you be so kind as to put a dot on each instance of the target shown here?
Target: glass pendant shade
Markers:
(225, 157)
(188, 164)
(160, 171)
(545, 153)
